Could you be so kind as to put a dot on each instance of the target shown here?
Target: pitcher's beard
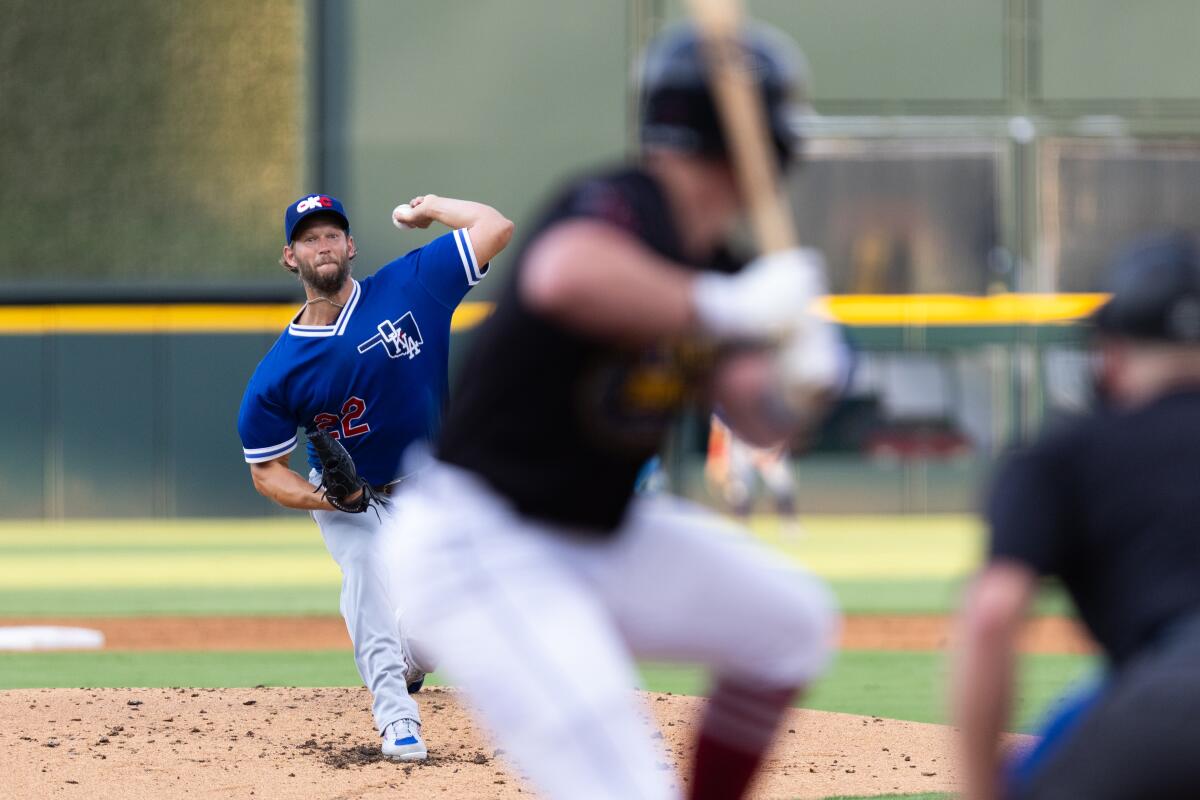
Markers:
(326, 283)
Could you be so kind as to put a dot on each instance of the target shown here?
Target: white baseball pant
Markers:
(541, 625)
(354, 542)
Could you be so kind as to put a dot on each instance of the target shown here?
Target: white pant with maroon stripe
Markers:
(541, 626)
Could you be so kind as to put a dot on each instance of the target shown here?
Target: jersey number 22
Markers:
(345, 425)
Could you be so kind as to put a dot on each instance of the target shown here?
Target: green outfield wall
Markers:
(968, 150)
(131, 410)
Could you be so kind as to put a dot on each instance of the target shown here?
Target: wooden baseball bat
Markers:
(747, 133)
(744, 121)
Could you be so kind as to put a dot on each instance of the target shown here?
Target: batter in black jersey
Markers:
(543, 577)
(1110, 505)
(579, 414)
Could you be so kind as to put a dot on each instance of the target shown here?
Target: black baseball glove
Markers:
(339, 478)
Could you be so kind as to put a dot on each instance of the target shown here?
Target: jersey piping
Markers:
(339, 325)
(467, 253)
(257, 455)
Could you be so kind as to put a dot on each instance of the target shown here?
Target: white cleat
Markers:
(402, 741)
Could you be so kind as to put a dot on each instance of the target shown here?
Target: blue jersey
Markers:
(376, 378)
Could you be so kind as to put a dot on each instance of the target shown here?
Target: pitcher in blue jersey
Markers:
(366, 361)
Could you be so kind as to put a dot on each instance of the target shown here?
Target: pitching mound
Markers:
(136, 744)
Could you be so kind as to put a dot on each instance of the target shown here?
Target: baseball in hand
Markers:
(400, 216)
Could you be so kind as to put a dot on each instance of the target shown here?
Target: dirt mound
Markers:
(136, 744)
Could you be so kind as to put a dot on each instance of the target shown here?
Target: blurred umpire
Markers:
(1110, 505)
(543, 576)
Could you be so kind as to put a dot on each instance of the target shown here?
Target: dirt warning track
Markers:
(875, 632)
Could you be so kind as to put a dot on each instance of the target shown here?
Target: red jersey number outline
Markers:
(343, 426)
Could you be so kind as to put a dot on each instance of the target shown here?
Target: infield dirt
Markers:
(137, 744)
(873, 632)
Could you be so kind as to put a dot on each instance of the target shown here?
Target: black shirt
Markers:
(1111, 505)
(558, 422)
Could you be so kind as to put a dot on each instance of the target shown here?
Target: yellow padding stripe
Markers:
(951, 309)
(862, 309)
(176, 318)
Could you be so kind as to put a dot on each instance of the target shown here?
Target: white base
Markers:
(47, 637)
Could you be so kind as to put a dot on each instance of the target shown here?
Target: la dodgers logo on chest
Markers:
(399, 337)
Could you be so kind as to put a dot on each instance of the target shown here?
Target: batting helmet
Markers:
(1155, 292)
(678, 110)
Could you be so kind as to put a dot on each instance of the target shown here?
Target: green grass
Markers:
(901, 685)
(929, 596)
(215, 669)
(297, 600)
(914, 596)
(233, 553)
(279, 566)
(886, 684)
(923, 596)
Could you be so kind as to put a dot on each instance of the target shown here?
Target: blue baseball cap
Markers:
(308, 205)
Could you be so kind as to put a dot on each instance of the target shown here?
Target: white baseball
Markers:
(400, 213)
